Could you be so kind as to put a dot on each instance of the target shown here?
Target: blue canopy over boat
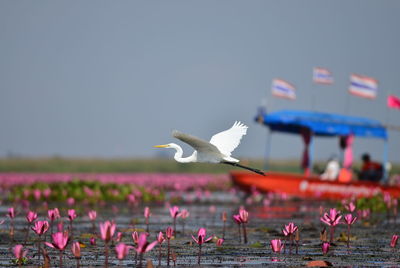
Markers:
(322, 124)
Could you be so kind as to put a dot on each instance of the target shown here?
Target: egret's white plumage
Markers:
(217, 150)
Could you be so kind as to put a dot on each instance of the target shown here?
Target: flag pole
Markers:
(387, 114)
(347, 103)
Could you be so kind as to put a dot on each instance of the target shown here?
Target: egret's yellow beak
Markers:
(161, 146)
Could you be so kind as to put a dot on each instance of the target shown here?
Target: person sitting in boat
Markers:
(370, 170)
(332, 169)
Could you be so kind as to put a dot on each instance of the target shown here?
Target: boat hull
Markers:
(308, 187)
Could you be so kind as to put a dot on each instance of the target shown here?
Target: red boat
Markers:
(308, 187)
(310, 125)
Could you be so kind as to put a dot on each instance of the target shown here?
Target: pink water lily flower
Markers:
(237, 219)
(350, 207)
(169, 232)
(76, 249)
(92, 215)
(184, 214)
(160, 237)
(276, 245)
(135, 237)
(37, 194)
(18, 251)
(201, 236)
(333, 218)
(31, 216)
(53, 214)
(107, 230)
(174, 211)
(219, 242)
(60, 241)
(11, 212)
(393, 242)
(143, 246)
(349, 219)
(325, 247)
(289, 229)
(147, 213)
(40, 227)
(244, 215)
(122, 250)
(201, 239)
(72, 214)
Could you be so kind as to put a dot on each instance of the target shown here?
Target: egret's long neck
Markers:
(178, 155)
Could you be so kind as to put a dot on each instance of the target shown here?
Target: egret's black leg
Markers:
(241, 166)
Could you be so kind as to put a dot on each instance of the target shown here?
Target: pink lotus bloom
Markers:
(53, 214)
(40, 227)
(160, 237)
(244, 215)
(76, 249)
(276, 245)
(72, 214)
(169, 233)
(60, 241)
(333, 218)
(107, 230)
(237, 219)
(212, 209)
(219, 242)
(174, 211)
(201, 236)
(364, 213)
(349, 219)
(325, 247)
(144, 246)
(70, 201)
(135, 237)
(350, 207)
(131, 199)
(31, 216)
(119, 237)
(47, 193)
(92, 215)
(184, 214)
(393, 242)
(289, 229)
(122, 250)
(37, 194)
(11, 212)
(19, 253)
(93, 241)
(147, 213)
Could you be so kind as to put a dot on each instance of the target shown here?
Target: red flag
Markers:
(393, 102)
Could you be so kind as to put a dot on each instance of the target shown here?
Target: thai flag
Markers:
(363, 86)
(283, 89)
(322, 76)
(393, 102)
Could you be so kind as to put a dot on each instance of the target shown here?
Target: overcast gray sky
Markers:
(113, 78)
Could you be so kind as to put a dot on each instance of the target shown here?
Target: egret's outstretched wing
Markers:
(201, 146)
(226, 141)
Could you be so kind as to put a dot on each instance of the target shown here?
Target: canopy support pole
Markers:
(311, 148)
(385, 160)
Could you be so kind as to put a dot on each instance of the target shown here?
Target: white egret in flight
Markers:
(217, 150)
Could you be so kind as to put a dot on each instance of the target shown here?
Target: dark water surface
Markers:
(369, 248)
